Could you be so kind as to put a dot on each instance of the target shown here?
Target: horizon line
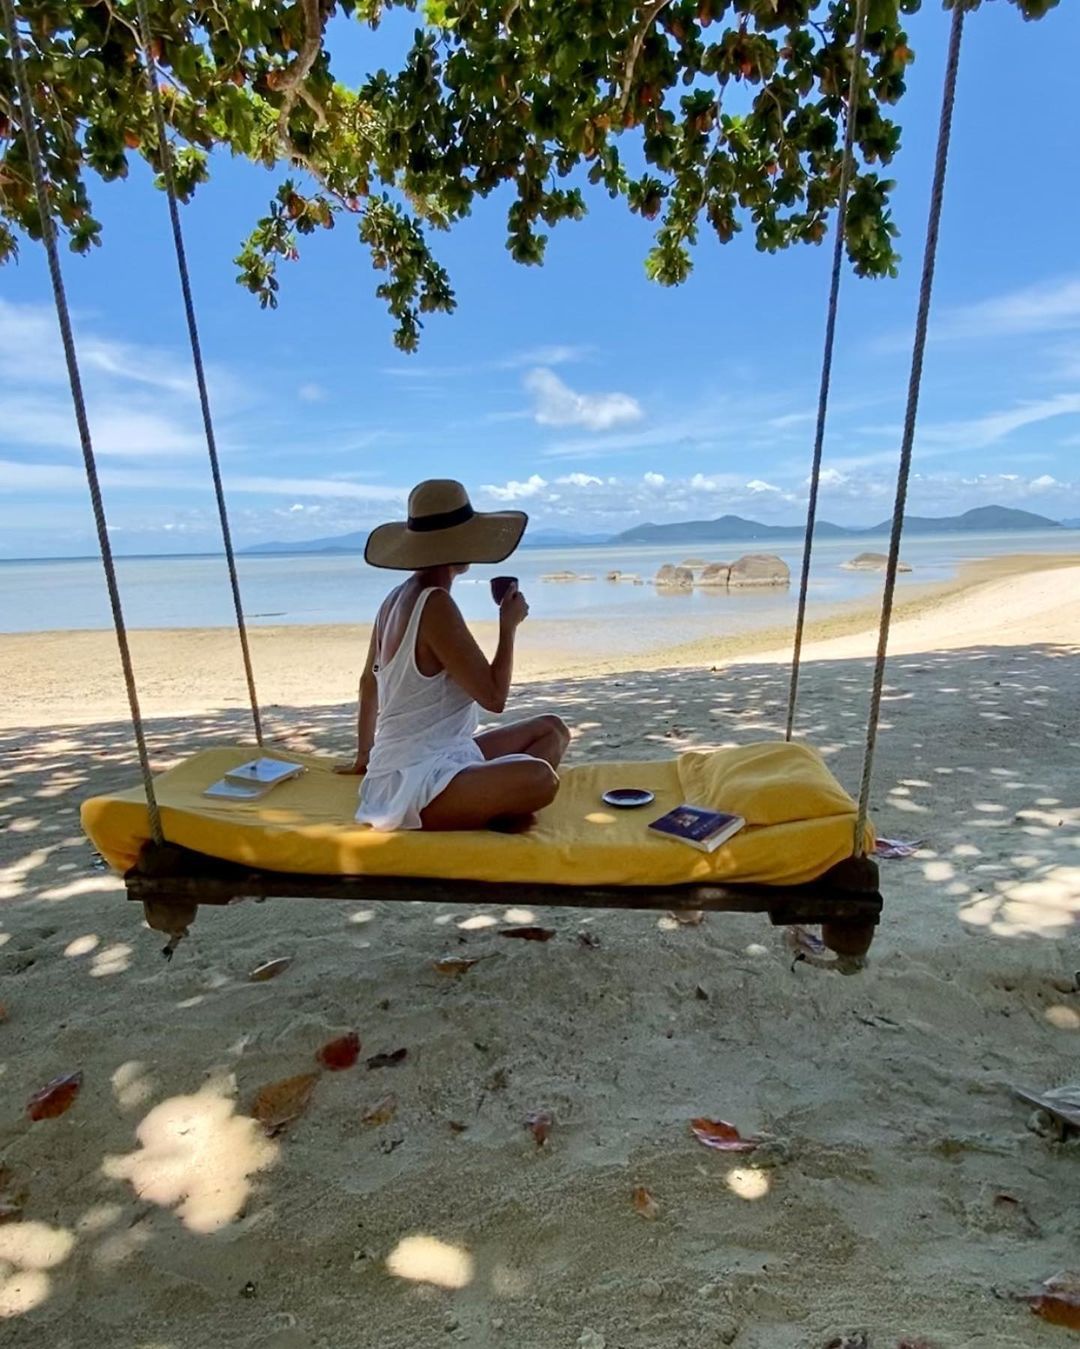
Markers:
(587, 539)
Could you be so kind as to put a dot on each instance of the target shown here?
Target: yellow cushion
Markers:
(800, 823)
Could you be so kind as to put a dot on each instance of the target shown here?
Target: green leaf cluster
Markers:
(717, 115)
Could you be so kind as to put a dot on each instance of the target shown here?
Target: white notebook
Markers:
(263, 772)
(253, 780)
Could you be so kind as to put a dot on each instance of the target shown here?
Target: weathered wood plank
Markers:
(845, 896)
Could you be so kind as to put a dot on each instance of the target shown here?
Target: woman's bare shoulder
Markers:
(441, 609)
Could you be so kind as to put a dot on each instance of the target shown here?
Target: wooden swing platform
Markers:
(172, 882)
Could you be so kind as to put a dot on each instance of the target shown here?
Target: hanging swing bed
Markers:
(805, 857)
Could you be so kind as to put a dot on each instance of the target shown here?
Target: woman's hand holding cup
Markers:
(513, 608)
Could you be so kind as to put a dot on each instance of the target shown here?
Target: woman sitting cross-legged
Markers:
(425, 678)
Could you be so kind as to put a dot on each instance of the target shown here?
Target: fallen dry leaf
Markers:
(688, 917)
(1062, 1104)
(270, 969)
(279, 1103)
(717, 1133)
(390, 1060)
(341, 1053)
(55, 1097)
(644, 1203)
(528, 933)
(1059, 1301)
(455, 965)
(456, 1126)
(382, 1112)
(538, 1123)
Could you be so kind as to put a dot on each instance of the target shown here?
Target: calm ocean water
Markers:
(181, 592)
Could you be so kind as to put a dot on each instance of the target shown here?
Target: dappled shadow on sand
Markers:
(160, 1211)
(971, 748)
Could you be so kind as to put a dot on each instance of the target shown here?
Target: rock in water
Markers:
(759, 569)
(872, 562)
(715, 574)
(672, 577)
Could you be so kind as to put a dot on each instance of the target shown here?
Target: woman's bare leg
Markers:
(487, 792)
(543, 737)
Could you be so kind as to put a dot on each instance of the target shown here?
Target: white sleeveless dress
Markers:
(424, 737)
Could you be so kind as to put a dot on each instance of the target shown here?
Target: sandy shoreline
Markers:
(75, 676)
(903, 1193)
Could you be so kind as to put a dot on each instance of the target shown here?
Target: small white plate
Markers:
(628, 798)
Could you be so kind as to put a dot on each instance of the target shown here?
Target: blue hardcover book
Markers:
(703, 829)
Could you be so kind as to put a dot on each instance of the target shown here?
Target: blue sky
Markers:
(579, 391)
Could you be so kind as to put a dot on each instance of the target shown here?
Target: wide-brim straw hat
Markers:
(443, 529)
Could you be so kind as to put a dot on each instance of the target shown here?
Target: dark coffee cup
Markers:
(500, 587)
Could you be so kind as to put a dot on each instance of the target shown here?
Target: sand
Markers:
(901, 1192)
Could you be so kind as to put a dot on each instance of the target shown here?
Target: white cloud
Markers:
(332, 488)
(135, 431)
(790, 419)
(1045, 307)
(555, 354)
(516, 491)
(141, 400)
(31, 353)
(559, 354)
(311, 393)
(556, 404)
(579, 480)
(1048, 306)
(979, 432)
(830, 477)
(18, 476)
(861, 496)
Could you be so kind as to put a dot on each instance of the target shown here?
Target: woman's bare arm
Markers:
(445, 634)
(367, 711)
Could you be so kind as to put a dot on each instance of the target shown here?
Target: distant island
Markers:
(733, 528)
(982, 520)
(354, 543)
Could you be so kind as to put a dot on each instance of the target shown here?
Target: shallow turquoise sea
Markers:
(181, 592)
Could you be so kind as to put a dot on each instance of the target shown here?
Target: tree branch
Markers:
(635, 50)
(125, 22)
(293, 78)
(316, 107)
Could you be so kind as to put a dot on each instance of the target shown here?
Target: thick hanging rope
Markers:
(48, 233)
(826, 363)
(164, 151)
(914, 383)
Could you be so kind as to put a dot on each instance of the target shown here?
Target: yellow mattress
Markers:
(800, 823)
